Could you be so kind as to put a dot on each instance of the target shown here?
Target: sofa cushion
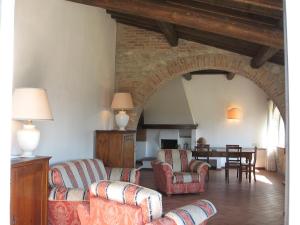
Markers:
(195, 213)
(185, 177)
(178, 159)
(121, 174)
(68, 194)
(148, 200)
(77, 173)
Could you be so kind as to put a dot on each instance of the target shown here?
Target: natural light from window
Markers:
(263, 179)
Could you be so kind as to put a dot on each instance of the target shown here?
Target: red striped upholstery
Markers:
(148, 200)
(178, 159)
(182, 178)
(196, 165)
(195, 213)
(69, 194)
(121, 174)
(175, 172)
(70, 182)
(77, 174)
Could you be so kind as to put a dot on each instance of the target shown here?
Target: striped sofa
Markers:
(175, 172)
(69, 186)
(120, 203)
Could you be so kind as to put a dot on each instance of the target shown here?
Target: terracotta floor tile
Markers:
(258, 203)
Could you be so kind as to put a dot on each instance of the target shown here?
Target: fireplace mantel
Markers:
(169, 126)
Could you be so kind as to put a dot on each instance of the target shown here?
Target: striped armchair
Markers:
(175, 172)
(120, 203)
(69, 186)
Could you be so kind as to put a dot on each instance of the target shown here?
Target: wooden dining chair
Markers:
(232, 162)
(204, 148)
(245, 166)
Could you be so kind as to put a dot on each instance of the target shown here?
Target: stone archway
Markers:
(145, 61)
(267, 78)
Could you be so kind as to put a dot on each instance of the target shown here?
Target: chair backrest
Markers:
(203, 148)
(148, 200)
(255, 156)
(233, 148)
(77, 173)
(178, 159)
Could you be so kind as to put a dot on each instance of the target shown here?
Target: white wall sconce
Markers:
(30, 104)
(122, 102)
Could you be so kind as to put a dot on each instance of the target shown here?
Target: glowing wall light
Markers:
(234, 113)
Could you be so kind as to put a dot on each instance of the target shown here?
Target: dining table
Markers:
(247, 154)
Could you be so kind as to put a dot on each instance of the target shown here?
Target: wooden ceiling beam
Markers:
(218, 41)
(262, 56)
(187, 76)
(270, 8)
(168, 30)
(263, 35)
(229, 75)
(229, 10)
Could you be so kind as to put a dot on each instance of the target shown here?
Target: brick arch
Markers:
(270, 80)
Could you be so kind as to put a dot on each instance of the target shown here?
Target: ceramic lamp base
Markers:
(122, 120)
(28, 139)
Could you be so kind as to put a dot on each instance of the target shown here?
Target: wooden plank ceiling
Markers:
(249, 27)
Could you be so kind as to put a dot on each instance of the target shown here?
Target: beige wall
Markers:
(168, 105)
(69, 49)
(209, 98)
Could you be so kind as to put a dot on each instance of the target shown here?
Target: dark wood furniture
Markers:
(115, 148)
(250, 167)
(222, 154)
(29, 191)
(204, 148)
(233, 162)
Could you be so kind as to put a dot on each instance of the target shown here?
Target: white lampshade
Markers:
(122, 101)
(31, 104)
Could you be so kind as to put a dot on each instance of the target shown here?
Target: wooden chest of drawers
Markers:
(115, 148)
(29, 191)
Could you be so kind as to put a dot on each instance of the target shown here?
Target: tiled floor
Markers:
(258, 203)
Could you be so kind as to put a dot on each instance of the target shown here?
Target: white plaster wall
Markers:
(69, 49)
(141, 147)
(168, 105)
(153, 144)
(209, 98)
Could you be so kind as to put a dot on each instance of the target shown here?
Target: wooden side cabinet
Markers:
(29, 191)
(115, 148)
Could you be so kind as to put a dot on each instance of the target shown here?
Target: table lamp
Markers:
(30, 104)
(122, 102)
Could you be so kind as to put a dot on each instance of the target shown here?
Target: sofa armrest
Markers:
(68, 194)
(84, 214)
(131, 175)
(163, 176)
(160, 166)
(124, 193)
(199, 166)
(195, 213)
